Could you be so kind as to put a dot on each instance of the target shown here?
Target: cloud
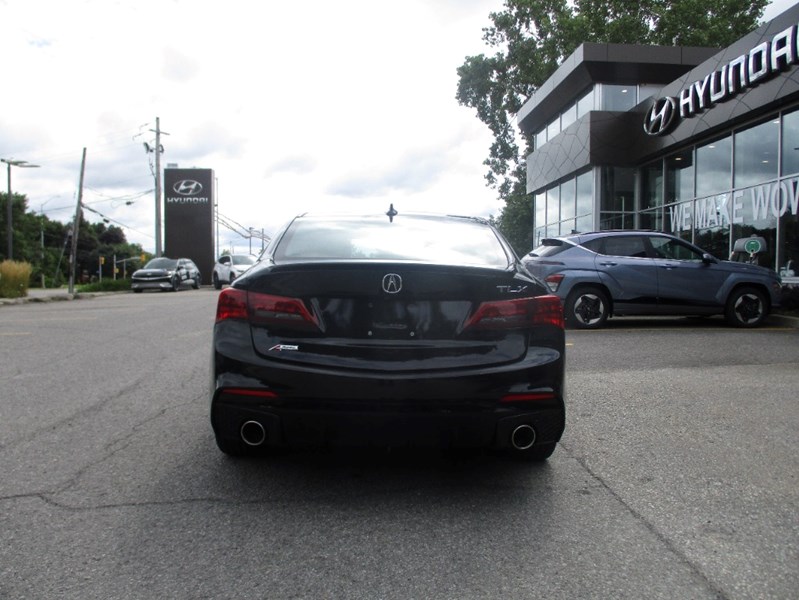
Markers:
(178, 66)
(316, 104)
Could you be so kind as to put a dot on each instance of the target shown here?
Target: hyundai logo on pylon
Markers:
(188, 187)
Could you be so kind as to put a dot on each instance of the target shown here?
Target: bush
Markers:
(106, 285)
(14, 278)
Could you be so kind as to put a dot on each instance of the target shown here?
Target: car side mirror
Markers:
(709, 259)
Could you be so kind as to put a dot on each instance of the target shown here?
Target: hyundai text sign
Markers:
(744, 72)
(189, 217)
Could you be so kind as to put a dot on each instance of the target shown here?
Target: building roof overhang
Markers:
(594, 63)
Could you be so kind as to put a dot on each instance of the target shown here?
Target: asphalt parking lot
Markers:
(676, 476)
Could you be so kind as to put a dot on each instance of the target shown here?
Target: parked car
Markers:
(166, 274)
(390, 331)
(230, 266)
(606, 273)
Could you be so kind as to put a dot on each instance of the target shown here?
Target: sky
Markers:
(296, 106)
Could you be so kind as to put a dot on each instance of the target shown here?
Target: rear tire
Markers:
(196, 282)
(587, 308)
(746, 307)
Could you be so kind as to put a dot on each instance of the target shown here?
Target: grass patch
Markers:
(14, 278)
(106, 285)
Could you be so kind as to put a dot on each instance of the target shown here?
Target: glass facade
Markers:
(564, 208)
(611, 97)
(743, 184)
(618, 97)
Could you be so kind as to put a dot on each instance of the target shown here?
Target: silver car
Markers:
(606, 273)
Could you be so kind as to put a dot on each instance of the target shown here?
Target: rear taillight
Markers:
(265, 309)
(279, 311)
(548, 311)
(232, 304)
(517, 314)
(553, 282)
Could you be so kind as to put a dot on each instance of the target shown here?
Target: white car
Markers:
(230, 266)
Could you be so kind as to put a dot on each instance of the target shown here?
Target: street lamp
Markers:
(9, 228)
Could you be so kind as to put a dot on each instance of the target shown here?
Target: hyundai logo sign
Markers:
(744, 72)
(661, 116)
(187, 187)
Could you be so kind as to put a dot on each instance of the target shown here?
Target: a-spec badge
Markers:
(284, 348)
(392, 283)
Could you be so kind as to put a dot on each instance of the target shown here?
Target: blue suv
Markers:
(606, 273)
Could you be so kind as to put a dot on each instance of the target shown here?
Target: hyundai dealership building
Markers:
(696, 142)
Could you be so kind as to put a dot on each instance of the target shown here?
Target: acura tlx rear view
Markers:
(388, 352)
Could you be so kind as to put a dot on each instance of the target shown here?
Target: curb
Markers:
(57, 297)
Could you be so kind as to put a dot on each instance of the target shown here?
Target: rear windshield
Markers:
(243, 259)
(418, 239)
(161, 263)
(550, 248)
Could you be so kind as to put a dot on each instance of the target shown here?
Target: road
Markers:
(676, 477)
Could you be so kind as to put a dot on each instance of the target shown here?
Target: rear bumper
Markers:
(422, 424)
(161, 284)
(296, 404)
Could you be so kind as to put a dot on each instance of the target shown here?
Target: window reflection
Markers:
(553, 205)
(714, 167)
(756, 153)
(790, 143)
(585, 194)
(567, 200)
(585, 104)
(680, 177)
(618, 97)
(540, 210)
(652, 185)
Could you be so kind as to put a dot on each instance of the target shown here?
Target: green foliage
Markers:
(46, 245)
(529, 39)
(515, 222)
(14, 276)
(106, 285)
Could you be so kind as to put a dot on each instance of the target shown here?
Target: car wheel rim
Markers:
(589, 309)
(748, 308)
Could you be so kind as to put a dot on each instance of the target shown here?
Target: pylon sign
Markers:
(189, 217)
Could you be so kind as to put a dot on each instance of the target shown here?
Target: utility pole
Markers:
(9, 213)
(158, 150)
(74, 253)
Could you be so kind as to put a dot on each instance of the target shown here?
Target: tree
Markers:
(531, 38)
(45, 244)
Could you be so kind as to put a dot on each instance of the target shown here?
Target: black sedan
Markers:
(398, 330)
(166, 274)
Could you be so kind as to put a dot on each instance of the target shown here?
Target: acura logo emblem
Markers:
(188, 187)
(392, 283)
(661, 116)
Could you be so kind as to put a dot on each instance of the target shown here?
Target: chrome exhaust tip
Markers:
(523, 437)
(253, 433)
